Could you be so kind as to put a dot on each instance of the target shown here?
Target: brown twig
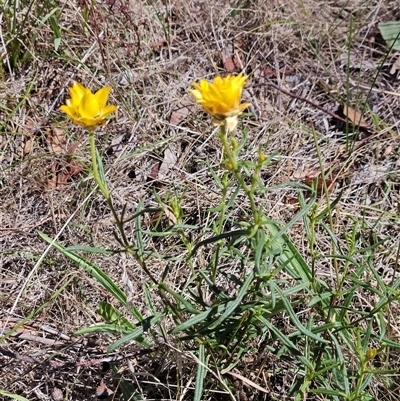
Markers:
(301, 98)
(89, 362)
(31, 226)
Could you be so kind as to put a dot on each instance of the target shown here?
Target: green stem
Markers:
(107, 196)
(326, 193)
(233, 166)
(95, 167)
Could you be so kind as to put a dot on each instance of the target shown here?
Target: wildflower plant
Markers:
(219, 325)
(224, 329)
(90, 111)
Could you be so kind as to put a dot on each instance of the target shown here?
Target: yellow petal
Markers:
(221, 98)
(196, 93)
(108, 110)
(87, 122)
(77, 92)
(243, 106)
(89, 107)
(102, 96)
(67, 110)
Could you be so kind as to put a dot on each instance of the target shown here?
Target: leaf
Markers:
(129, 391)
(169, 161)
(90, 249)
(226, 309)
(112, 315)
(57, 42)
(200, 375)
(57, 141)
(110, 328)
(144, 326)
(355, 117)
(13, 396)
(182, 111)
(92, 269)
(390, 32)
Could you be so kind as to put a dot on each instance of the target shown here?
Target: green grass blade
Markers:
(145, 325)
(95, 271)
(111, 328)
(13, 396)
(286, 342)
(294, 317)
(200, 375)
(199, 318)
(110, 315)
(231, 306)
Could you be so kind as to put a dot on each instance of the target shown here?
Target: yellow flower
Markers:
(86, 108)
(221, 99)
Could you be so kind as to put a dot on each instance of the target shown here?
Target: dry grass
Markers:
(150, 52)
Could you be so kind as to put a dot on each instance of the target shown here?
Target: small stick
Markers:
(303, 99)
(89, 362)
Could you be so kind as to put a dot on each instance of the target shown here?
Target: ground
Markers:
(323, 87)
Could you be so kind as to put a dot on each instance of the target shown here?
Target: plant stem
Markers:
(233, 166)
(107, 196)
(95, 167)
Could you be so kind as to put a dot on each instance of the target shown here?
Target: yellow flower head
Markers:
(221, 99)
(86, 108)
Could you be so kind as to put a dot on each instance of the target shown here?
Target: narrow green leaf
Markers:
(287, 342)
(330, 207)
(101, 169)
(179, 298)
(145, 325)
(95, 271)
(147, 297)
(320, 390)
(138, 232)
(342, 363)
(13, 396)
(111, 328)
(295, 319)
(216, 238)
(57, 43)
(200, 375)
(89, 249)
(55, 26)
(129, 391)
(259, 250)
(199, 318)
(111, 315)
(231, 306)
